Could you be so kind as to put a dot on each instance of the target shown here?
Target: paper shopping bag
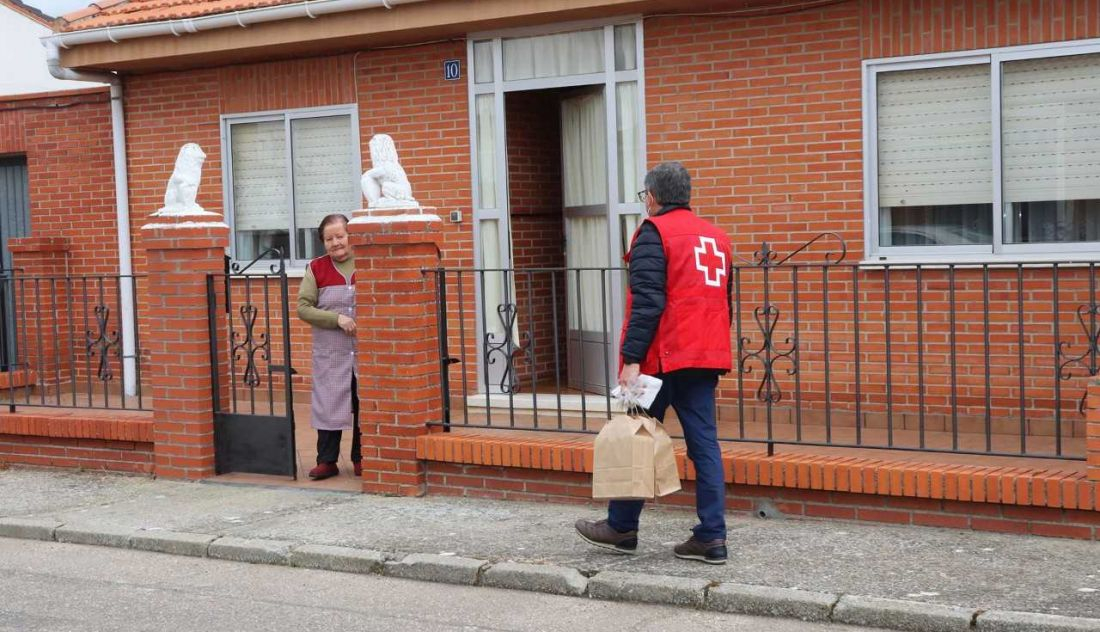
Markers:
(666, 479)
(633, 459)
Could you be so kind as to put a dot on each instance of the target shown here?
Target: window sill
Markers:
(1064, 259)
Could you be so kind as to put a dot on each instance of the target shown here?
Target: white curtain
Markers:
(258, 151)
(584, 150)
(557, 55)
(492, 282)
(483, 61)
(628, 141)
(584, 159)
(626, 57)
(486, 151)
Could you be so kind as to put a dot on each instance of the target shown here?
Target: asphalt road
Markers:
(71, 588)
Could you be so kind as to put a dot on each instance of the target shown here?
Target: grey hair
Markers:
(670, 183)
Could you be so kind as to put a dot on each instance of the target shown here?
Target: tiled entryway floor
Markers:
(305, 443)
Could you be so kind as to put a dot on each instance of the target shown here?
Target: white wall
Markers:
(24, 64)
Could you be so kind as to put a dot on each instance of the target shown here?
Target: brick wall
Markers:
(399, 92)
(534, 485)
(66, 138)
(765, 112)
(117, 441)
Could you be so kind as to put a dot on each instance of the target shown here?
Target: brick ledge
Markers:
(113, 425)
(854, 474)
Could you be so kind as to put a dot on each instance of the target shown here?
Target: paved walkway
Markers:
(907, 578)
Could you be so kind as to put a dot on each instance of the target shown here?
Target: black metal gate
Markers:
(249, 315)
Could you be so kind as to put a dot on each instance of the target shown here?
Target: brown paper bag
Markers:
(633, 459)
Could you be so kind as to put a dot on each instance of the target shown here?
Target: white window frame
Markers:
(609, 78)
(998, 251)
(286, 116)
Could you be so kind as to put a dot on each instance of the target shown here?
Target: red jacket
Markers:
(694, 329)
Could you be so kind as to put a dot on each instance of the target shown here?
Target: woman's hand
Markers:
(346, 323)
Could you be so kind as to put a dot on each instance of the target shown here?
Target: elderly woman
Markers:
(326, 300)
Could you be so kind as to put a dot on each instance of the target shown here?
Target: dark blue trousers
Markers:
(691, 395)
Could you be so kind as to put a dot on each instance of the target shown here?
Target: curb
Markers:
(607, 585)
(436, 568)
(671, 591)
(766, 601)
(896, 614)
(1006, 621)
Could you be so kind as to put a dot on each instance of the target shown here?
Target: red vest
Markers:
(694, 331)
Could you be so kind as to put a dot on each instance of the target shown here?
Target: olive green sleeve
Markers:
(307, 305)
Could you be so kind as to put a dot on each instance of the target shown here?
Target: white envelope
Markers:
(640, 394)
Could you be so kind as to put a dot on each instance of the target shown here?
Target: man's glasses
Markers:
(641, 196)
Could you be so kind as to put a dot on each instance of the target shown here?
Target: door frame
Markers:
(620, 203)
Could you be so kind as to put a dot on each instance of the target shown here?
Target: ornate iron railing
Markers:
(64, 345)
(965, 358)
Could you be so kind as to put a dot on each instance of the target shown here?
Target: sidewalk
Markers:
(942, 579)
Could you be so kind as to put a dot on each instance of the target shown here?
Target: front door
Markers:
(587, 248)
(14, 222)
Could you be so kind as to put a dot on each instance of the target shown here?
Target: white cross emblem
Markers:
(710, 262)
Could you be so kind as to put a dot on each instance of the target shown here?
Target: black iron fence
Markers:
(63, 343)
(980, 359)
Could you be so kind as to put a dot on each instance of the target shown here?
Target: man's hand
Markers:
(629, 375)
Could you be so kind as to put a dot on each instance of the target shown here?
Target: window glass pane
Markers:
(935, 156)
(628, 225)
(557, 55)
(483, 62)
(486, 151)
(629, 141)
(261, 206)
(625, 51)
(584, 150)
(491, 283)
(324, 176)
(1050, 121)
(586, 249)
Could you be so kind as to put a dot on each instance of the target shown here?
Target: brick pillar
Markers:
(1092, 432)
(398, 348)
(180, 254)
(38, 292)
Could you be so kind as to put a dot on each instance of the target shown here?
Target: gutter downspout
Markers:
(122, 204)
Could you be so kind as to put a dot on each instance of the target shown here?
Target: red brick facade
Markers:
(765, 111)
(66, 139)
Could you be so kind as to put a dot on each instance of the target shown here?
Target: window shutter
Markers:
(935, 137)
(1051, 129)
(259, 176)
(324, 174)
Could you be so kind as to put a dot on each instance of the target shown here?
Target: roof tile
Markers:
(120, 12)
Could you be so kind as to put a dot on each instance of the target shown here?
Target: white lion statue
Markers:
(385, 184)
(183, 186)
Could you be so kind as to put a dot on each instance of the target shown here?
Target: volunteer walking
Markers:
(677, 327)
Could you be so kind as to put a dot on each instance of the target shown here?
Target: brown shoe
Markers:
(601, 534)
(323, 471)
(712, 552)
(358, 466)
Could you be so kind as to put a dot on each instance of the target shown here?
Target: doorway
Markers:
(576, 190)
